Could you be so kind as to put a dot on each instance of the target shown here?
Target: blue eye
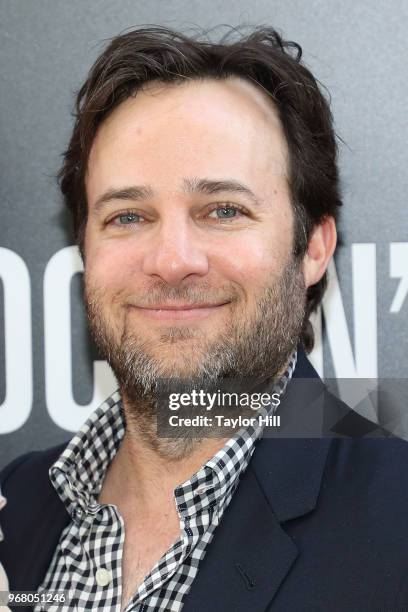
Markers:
(127, 219)
(225, 212)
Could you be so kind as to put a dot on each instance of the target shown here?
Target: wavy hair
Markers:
(263, 57)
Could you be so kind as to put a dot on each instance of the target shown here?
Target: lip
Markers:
(179, 311)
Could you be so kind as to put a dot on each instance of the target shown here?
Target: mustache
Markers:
(149, 296)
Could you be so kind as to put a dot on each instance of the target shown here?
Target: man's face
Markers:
(188, 244)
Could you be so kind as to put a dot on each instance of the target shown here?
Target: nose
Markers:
(175, 252)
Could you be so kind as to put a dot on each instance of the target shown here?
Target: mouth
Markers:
(179, 312)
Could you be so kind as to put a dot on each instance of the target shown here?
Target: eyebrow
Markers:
(133, 193)
(209, 187)
(137, 193)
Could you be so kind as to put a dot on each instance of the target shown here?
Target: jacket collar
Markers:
(289, 462)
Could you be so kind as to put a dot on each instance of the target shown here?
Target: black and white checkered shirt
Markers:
(88, 559)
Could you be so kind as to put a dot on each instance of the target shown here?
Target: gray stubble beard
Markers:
(260, 348)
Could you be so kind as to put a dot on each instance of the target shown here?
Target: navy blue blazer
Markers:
(316, 524)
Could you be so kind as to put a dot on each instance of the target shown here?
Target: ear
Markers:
(320, 249)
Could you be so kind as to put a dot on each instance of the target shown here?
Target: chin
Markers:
(179, 370)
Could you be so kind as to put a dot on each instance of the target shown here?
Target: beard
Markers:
(256, 345)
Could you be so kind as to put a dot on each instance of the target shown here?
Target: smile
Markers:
(180, 312)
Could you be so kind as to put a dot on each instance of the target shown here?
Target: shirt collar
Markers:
(78, 473)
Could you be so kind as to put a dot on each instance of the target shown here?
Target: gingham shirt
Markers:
(87, 561)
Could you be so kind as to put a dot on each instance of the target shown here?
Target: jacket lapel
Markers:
(248, 558)
(251, 554)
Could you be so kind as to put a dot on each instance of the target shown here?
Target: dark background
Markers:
(50, 378)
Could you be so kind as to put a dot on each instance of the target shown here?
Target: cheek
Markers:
(250, 260)
(111, 265)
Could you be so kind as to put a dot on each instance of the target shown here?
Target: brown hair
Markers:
(143, 55)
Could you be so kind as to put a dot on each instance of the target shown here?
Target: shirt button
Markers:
(103, 577)
(79, 514)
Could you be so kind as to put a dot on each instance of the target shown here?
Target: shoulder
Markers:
(384, 458)
(310, 406)
(364, 455)
(32, 519)
(25, 483)
(29, 471)
(364, 499)
(368, 476)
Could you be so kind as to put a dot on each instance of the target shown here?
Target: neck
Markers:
(146, 469)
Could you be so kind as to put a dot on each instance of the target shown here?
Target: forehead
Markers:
(201, 128)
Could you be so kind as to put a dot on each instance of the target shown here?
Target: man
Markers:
(203, 184)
